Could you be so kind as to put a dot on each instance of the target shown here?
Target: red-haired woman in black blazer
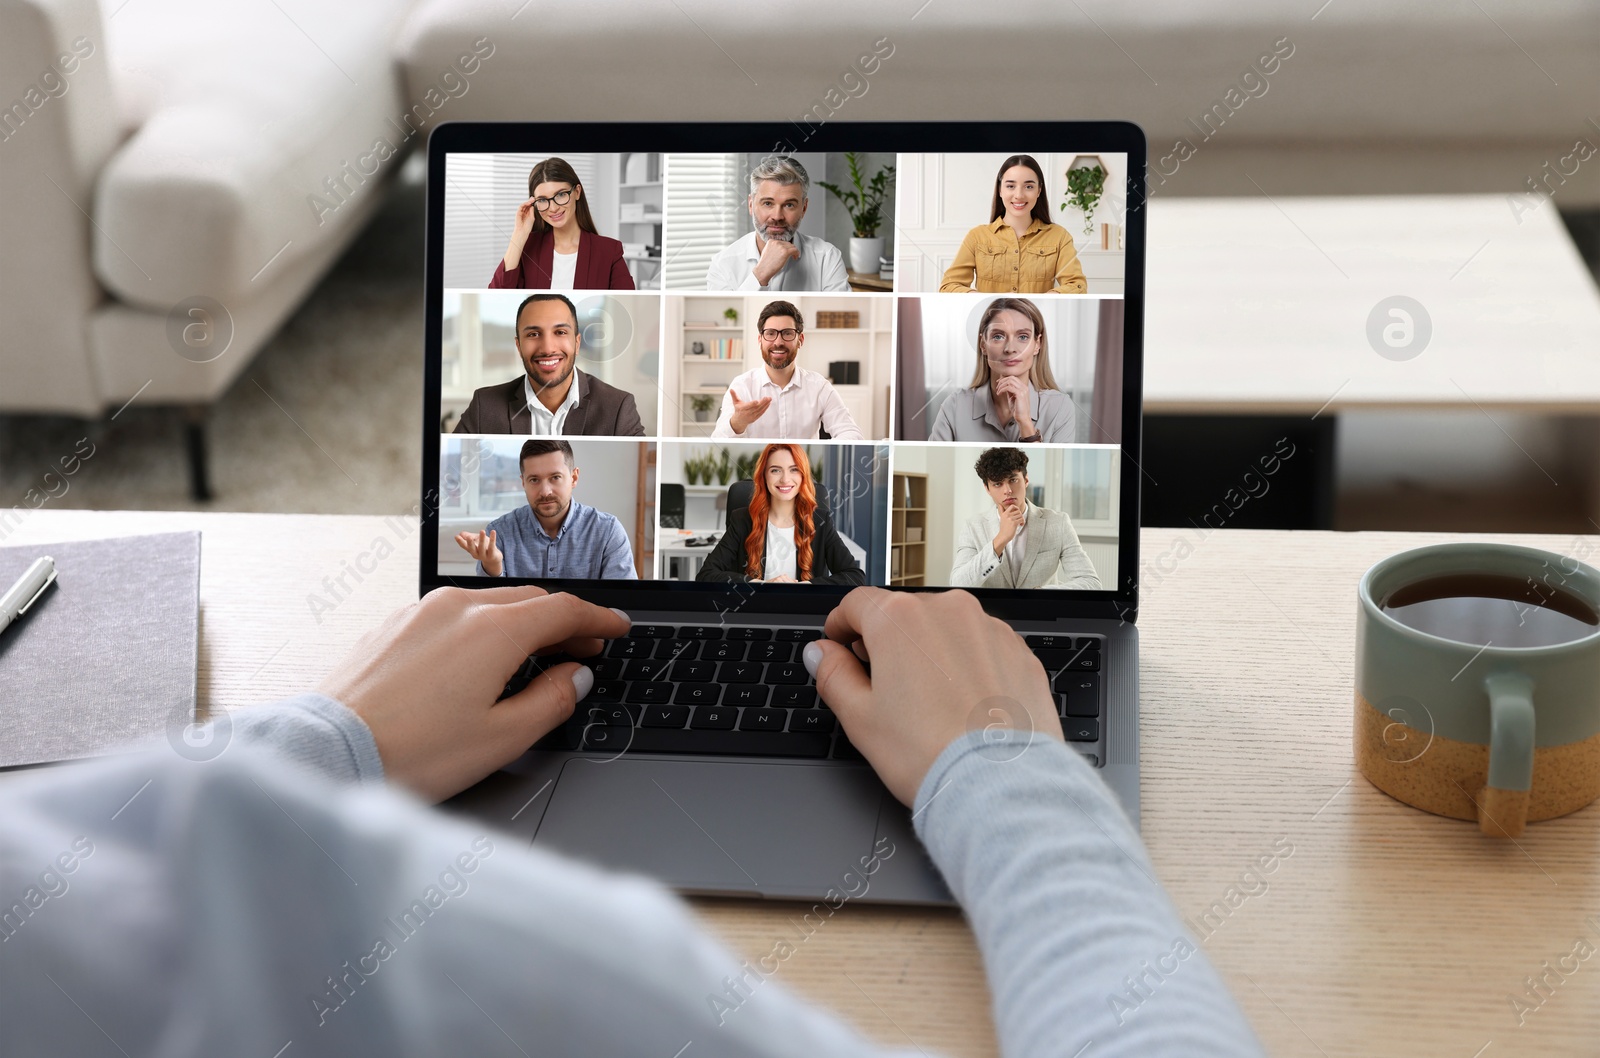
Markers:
(554, 245)
(783, 537)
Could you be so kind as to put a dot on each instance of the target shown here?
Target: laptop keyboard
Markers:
(743, 691)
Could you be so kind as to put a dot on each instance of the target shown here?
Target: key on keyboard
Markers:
(699, 689)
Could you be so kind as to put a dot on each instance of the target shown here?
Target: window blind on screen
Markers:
(707, 207)
(482, 194)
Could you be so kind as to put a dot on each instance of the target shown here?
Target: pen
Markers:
(26, 591)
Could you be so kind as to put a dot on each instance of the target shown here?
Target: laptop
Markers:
(716, 375)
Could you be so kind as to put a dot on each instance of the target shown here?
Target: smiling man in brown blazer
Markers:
(552, 397)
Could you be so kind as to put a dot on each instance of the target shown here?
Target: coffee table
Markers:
(1287, 307)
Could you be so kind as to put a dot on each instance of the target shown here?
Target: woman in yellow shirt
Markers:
(1019, 251)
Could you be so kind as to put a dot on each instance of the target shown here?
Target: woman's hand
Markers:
(521, 228)
(1011, 397)
(940, 667)
(427, 680)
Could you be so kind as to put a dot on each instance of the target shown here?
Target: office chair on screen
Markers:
(672, 506)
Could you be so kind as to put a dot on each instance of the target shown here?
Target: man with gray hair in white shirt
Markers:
(779, 400)
(775, 256)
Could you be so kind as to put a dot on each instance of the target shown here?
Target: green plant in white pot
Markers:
(866, 205)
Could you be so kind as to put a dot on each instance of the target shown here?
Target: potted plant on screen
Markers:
(702, 403)
(865, 203)
(1086, 182)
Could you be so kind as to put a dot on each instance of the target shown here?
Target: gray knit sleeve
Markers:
(314, 730)
(1080, 942)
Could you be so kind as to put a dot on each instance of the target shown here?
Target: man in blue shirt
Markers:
(554, 535)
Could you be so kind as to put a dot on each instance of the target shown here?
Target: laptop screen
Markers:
(794, 369)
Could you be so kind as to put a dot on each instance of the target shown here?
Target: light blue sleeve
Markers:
(313, 730)
(242, 905)
(358, 921)
(1080, 942)
(618, 561)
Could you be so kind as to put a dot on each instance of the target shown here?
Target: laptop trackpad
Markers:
(782, 829)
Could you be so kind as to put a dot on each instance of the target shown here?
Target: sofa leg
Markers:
(194, 429)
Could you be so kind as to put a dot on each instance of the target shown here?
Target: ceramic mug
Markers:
(1505, 735)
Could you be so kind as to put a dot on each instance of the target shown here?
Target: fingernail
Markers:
(811, 656)
(583, 682)
(622, 614)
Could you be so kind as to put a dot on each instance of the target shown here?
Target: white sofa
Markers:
(1380, 97)
(157, 151)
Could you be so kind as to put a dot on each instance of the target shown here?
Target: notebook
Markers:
(108, 655)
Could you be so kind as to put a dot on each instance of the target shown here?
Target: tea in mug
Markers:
(1492, 608)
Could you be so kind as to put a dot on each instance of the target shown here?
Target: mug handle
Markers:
(1503, 801)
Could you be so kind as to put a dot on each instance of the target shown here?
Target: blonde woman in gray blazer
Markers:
(1015, 544)
(1013, 397)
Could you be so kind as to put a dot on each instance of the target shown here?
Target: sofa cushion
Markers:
(256, 126)
(1360, 71)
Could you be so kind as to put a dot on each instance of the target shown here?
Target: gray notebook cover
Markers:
(109, 653)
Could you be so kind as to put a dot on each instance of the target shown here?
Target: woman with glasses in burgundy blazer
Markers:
(554, 244)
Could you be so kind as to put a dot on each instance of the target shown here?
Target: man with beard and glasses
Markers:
(553, 535)
(781, 400)
(775, 256)
(552, 397)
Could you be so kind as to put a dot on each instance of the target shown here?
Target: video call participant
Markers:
(554, 244)
(1018, 545)
(1013, 397)
(775, 256)
(554, 535)
(1019, 251)
(552, 396)
(784, 536)
(780, 398)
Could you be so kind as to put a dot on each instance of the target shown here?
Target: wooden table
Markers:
(872, 281)
(1387, 931)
